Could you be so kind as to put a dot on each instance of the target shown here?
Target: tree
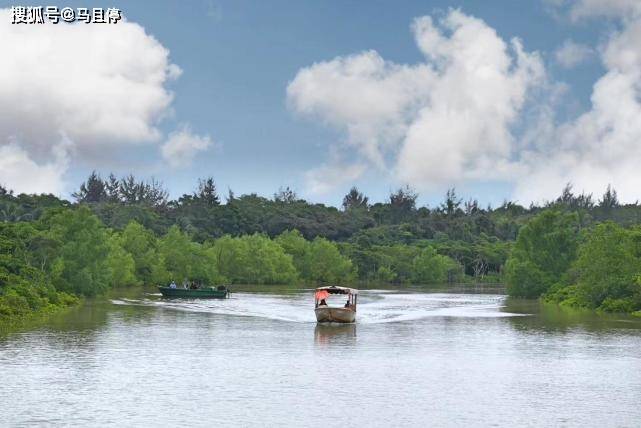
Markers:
(122, 264)
(570, 200)
(151, 193)
(185, 260)
(404, 199)
(82, 266)
(609, 199)
(285, 196)
(471, 207)
(402, 204)
(207, 193)
(395, 261)
(543, 252)
(328, 265)
(294, 244)
(452, 203)
(230, 196)
(93, 190)
(430, 267)
(143, 247)
(4, 191)
(253, 259)
(129, 189)
(269, 264)
(24, 288)
(112, 188)
(232, 258)
(608, 266)
(355, 200)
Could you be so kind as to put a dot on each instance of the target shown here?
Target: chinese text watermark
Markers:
(42, 14)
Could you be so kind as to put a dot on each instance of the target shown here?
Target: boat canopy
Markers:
(333, 289)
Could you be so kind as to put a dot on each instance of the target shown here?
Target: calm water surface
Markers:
(259, 359)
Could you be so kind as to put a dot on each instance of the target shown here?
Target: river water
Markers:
(414, 358)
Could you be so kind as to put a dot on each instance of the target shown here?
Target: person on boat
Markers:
(347, 305)
(173, 284)
(322, 303)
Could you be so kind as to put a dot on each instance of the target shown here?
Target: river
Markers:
(414, 358)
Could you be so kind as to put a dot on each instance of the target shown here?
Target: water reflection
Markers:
(334, 334)
(549, 318)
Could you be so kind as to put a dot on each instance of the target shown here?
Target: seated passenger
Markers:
(347, 305)
(172, 285)
(322, 303)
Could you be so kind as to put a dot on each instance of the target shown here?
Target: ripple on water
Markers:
(375, 306)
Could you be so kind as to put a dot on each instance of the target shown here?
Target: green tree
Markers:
(82, 266)
(186, 260)
(355, 200)
(122, 264)
(253, 259)
(608, 266)
(25, 287)
(328, 265)
(294, 244)
(610, 198)
(93, 190)
(430, 267)
(141, 243)
(544, 249)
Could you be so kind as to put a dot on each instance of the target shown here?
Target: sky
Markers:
(501, 99)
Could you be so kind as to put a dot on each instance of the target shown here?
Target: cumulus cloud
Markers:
(337, 172)
(369, 98)
(602, 145)
(99, 85)
(460, 114)
(433, 123)
(570, 54)
(20, 173)
(182, 146)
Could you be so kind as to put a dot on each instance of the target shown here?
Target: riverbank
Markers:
(11, 320)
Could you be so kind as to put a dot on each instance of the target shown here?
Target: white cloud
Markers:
(581, 9)
(182, 146)
(337, 172)
(20, 173)
(602, 145)
(440, 121)
(371, 99)
(570, 54)
(327, 177)
(100, 85)
(453, 117)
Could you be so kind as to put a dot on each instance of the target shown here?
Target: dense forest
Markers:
(575, 250)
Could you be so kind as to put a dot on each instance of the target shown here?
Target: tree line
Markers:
(559, 258)
(125, 231)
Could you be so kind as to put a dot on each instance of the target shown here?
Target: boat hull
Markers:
(201, 293)
(340, 315)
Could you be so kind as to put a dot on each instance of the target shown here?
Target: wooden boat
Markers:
(220, 292)
(326, 313)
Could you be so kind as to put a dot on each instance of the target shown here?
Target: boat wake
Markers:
(374, 306)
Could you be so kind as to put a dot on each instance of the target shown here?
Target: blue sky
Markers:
(238, 57)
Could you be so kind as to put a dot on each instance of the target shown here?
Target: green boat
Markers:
(220, 292)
